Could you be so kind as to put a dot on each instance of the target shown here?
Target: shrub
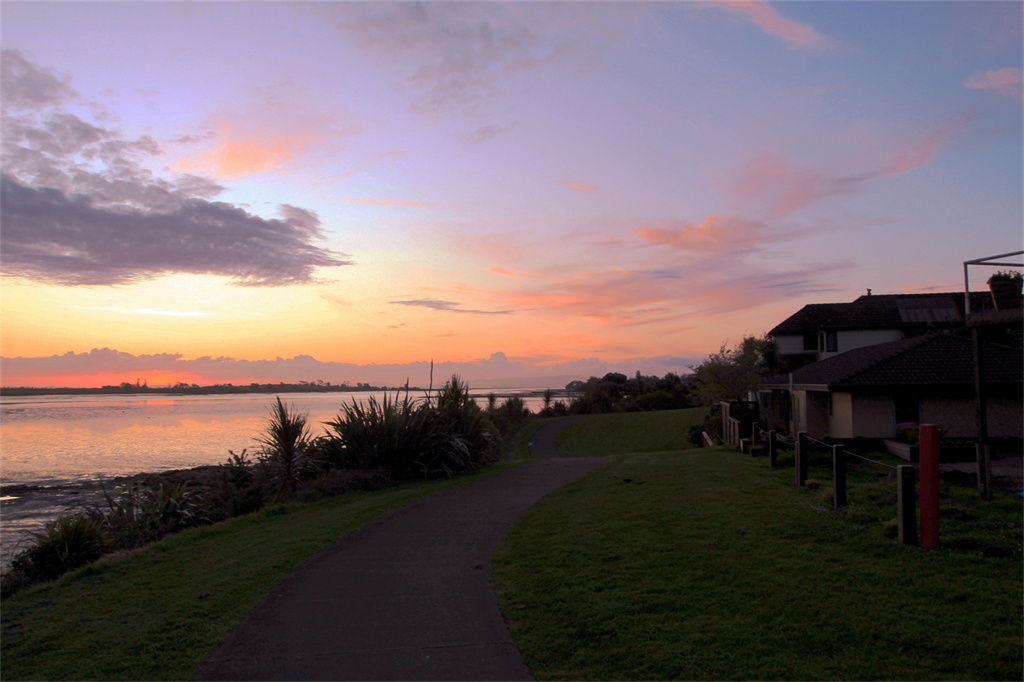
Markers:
(239, 491)
(284, 453)
(64, 544)
(135, 516)
(413, 439)
(389, 434)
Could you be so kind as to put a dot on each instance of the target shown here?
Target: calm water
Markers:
(49, 445)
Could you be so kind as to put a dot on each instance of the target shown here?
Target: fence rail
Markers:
(906, 478)
(906, 475)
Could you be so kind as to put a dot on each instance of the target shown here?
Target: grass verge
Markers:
(702, 564)
(613, 434)
(160, 612)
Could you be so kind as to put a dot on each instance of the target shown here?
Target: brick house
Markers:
(822, 330)
(866, 391)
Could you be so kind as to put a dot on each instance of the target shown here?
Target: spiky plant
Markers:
(387, 433)
(65, 543)
(284, 447)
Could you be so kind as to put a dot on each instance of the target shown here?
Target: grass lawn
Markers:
(159, 613)
(703, 564)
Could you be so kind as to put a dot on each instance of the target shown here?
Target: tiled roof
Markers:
(883, 311)
(932, 360)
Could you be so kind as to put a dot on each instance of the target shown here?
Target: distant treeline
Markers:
(193, 389)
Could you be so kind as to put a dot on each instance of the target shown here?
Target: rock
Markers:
(996, 551)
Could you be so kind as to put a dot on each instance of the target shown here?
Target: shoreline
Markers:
(27, 507)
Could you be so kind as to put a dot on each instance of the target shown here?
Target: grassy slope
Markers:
(159, 613)
(702, 564)
(613, 434)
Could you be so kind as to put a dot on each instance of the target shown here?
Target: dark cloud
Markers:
(27, 86)
(453, 54)
(56, 238)
(81, 207)
(449, 306)
(488, 133)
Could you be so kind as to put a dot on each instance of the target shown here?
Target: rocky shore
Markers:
(27, 507)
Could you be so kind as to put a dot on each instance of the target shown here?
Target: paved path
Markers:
(407, 597)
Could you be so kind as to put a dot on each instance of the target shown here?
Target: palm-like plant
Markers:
(388, 433)
(284, 447)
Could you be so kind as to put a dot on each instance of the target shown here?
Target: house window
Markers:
(831, 343)
(908, 409)
(810, 342)
(831, 407)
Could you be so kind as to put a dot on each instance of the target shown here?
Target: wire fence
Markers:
(868, 481)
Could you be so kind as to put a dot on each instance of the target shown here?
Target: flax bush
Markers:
(412, 438)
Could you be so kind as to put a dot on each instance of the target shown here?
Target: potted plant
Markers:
(1005, 286)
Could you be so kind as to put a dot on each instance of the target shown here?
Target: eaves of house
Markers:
(883, 311)
(933, 360)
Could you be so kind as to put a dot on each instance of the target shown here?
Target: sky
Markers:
(517, 192)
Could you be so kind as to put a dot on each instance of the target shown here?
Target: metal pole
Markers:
(981, 414)
(929, 486)
(967, 293)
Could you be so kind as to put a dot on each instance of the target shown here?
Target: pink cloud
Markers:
(505, 273)
(1008, 81)
(580, 186)
(237, 152)
(716, 235)
(771, 186)
(771, 22)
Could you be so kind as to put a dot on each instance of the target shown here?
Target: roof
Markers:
(883, 311)
(933, 360)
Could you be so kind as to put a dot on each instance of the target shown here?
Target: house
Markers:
(865, 392)
(822, 330)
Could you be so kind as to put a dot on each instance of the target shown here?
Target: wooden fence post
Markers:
(838, 477)
(929, 486)
(906, 503)
(800, 457)
(772, 445)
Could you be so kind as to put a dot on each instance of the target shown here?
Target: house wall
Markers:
(799, 411)
(957, 416)
(858, 338)
(841, 422)
(874, 416)
(789, 344)
(816, 412)
(1005, 418)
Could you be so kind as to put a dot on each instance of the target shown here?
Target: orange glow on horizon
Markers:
(151, 378)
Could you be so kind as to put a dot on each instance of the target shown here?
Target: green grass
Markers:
(159, 613)
(613, 434)
(703, 564)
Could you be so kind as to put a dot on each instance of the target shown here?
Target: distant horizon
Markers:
(529, 192)
(92, 370)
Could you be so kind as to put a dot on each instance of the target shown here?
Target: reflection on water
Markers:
(53, 444)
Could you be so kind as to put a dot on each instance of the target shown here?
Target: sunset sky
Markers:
(262, 191)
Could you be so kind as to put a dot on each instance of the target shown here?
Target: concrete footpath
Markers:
(408, 597)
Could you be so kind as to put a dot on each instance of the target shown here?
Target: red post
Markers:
(929, 486)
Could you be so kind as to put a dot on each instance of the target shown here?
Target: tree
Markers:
(730, 374)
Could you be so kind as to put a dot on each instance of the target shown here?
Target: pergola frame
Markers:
(983, 453)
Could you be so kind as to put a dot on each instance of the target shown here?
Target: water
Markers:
(53, 447)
